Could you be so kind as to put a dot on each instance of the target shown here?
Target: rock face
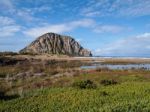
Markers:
(52, 43)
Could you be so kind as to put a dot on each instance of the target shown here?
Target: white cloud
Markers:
(90, 14)
(66, 27)
(6, 4)
(8, 27)
(117, 8)
(137, 8)
(79, 40)
(6, 21)
(133, 46)
(89, 11)
(59, 28)
(108, 29)
(38, 9)
(28, 14)
(25, 15)
(9, 30)
(9, 7)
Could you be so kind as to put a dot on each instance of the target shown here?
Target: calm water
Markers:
(119, 67)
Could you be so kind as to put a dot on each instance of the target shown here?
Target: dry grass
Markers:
(38, 73)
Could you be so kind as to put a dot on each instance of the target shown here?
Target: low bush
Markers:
(5, 96)
(103, 93)
(100, 69)
(28, 53)
(7, 61)
(108, 82)
(86, 84)
(2, 94)
(2, 75)
(8, 53)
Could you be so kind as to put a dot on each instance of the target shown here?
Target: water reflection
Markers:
(118, 67)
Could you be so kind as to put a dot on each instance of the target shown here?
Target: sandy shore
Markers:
(112, 60)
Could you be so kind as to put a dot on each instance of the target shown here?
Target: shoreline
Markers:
(105, 60)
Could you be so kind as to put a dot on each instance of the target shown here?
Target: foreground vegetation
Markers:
(29, 85)
(125, 97)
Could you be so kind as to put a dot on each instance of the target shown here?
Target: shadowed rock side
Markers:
(52, 43)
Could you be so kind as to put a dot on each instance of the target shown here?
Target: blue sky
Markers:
(106, 27)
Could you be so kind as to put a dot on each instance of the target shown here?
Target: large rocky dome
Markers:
(52, 43)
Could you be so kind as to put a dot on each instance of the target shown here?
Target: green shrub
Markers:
(108, 82)
(2, 75)
(6, 53)
(5, 96)
(28, 53)
(102, 69)
(87, 84)
(2, 94)
(103, 93)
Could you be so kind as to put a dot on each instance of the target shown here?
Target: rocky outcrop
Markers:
(52, 43)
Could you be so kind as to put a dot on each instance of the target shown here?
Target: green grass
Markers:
(124, 97)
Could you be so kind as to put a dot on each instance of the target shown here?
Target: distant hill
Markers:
(53, 43)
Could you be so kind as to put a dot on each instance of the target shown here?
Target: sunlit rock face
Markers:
(53, 43)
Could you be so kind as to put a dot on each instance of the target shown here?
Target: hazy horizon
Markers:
(106, 27)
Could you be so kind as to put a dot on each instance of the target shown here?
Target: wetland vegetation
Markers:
(30, 84)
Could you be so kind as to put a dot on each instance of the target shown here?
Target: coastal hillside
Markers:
(53, 43)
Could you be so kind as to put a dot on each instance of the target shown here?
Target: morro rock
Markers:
(53, 43)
